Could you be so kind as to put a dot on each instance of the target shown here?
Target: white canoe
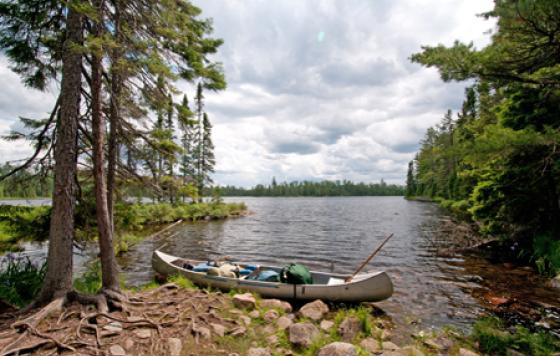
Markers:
(364, 287)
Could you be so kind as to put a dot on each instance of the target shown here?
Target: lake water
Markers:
(338, 233)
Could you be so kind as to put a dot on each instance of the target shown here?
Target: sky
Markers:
(317, 89)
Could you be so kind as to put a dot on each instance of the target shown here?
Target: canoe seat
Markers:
(335, 281)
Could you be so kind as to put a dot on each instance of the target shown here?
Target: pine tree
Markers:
(207, 160)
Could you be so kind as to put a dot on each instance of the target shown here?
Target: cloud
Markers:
(318, 89)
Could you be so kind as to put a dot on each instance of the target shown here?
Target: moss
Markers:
(182, 282)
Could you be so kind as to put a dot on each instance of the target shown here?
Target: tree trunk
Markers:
(58, 278)
(114, 113)
(109, 268)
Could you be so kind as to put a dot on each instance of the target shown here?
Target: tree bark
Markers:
(114, 113)
(109, 267)
(58, 278)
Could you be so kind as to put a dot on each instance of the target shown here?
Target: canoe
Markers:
(364, 287)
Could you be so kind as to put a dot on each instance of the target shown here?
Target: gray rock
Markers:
(270, 315)
(349, 328)
(258, 351)
(314, 310)
(219, 329)
(284, 322)
(326, 325)
(142, 333)
(370, 345)
(302, 334)
(244, 301)
(114, 327)
(128, 344)
(255, 314)
(272, 340)
(389, 346)
(174, 346)
(338, 349)
(465, 352)
(238, 331)
(411, 351)
(202, 331)
(275, 303)
(245, 319)
(117, 350)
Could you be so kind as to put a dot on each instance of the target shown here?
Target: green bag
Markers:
(294, 273)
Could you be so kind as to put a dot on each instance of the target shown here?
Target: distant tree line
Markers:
(315, 189)
(25, 183)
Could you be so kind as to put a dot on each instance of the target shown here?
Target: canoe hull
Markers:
(366, 287)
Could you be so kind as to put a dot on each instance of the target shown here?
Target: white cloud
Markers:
(317, 89)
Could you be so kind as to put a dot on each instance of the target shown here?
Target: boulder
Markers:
(349, 328)
(244, 301)
(466, 352)
(117, 350)
(284, 322)
(326, 325)
(174, 346)
(338, 349)
(302, 334)
(370, 345)
(142, 333)
(276, 304)
(218, 329)
(270, 315)
(272, 340)
(314, 310)
(202, 331)
(258, 351)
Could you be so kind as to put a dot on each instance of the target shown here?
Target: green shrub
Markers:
(31, 223)
(20, 280)
(90, 281)
(546, 254)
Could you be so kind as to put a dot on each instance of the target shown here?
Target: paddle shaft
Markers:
(369, 258)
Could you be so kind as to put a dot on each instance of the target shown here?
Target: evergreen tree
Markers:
(207, 155)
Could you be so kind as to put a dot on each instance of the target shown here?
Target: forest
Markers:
(496, 162)
(315, 189)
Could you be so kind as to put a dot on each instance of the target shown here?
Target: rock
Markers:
(512, 352)
(269, 329)
(389, 346)
(272, 340)
(283, 351)
(270, 315)
(219, 329)
(338, 349)
(291, 316)
(238, 331)
(314, 310)
(128, 344)
(370, 345)
(245, 319)
(203, 331)
(385, 334)
(174, 346)
(411, 351)
(439, 344)
(284, 322)
(465, 352)
(117, 350)
(275, 303)
(142, 333)
(258, 351)
(113, 327)
(244, 301)
(326, 325)
(555, 282)
(302, 334)
(255, 314)
(349, 328)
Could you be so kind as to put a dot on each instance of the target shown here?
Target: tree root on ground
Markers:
(91, 324)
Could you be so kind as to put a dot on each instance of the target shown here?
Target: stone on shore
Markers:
(389, 346)
(370, 345)
(219, 329)
(258, 351)
(338, 349)
(303, 334)
(270, 315)
(255, 314)
(314, 310)
(326, 325)
(244, 301)
(174, 346)
(143, 333)
(117, 350)
(284, 322)
(411, 351)
(466, 352)
(349, 328)
(277, 304)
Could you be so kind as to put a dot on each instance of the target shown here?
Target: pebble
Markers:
(143, 333)
(117, 350)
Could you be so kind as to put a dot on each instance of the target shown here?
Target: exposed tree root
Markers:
(88, 324)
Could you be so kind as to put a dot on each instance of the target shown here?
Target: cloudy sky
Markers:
(317, 89)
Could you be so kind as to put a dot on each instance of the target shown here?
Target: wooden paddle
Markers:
(368, 259)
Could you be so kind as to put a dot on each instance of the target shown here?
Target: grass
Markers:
(493, 338)
(182, 282)
(20, 280)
